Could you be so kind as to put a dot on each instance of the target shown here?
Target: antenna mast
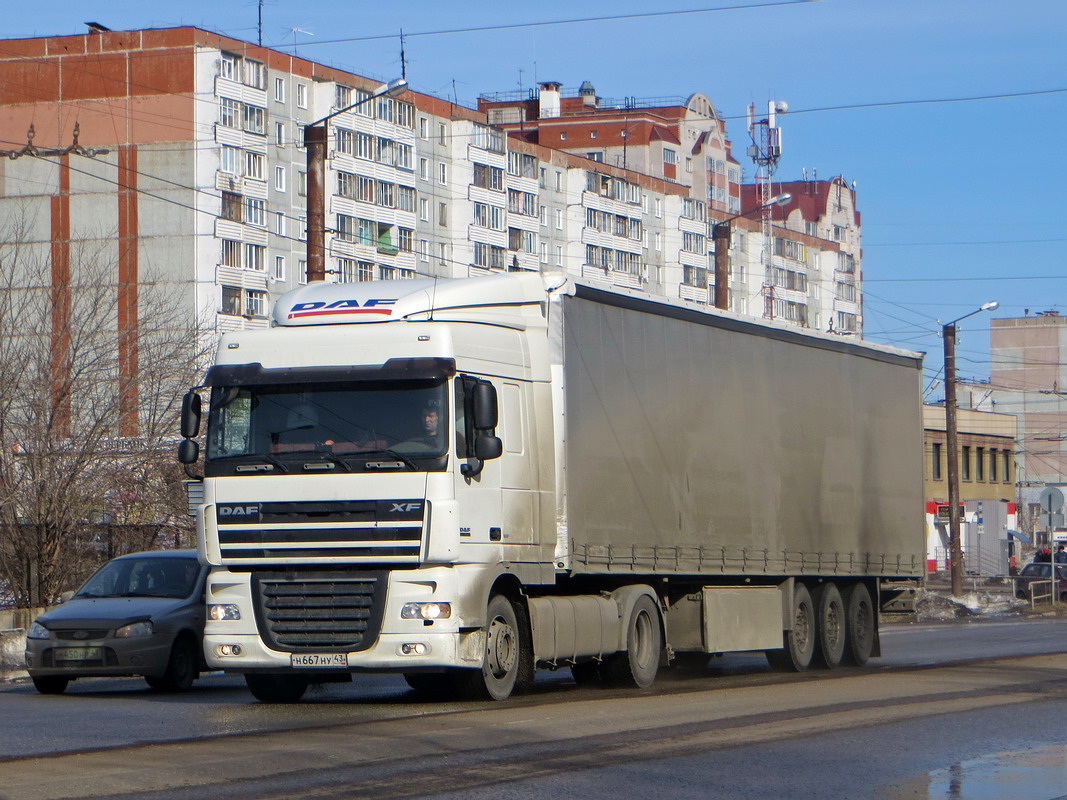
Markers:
(765, 151)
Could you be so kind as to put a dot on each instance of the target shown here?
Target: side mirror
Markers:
(485, 409)
(190, 423)
(188, 451)
(487, 448)
(65, 596)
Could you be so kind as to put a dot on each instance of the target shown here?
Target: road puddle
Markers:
(1039, 774)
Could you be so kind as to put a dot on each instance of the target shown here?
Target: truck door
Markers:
(478, 496)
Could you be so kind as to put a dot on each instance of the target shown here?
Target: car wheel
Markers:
(51, 684)
(181, 668)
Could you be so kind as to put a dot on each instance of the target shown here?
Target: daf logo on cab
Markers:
(320, 308)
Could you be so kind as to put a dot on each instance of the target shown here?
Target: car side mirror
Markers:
(487, 448)
(485, 407)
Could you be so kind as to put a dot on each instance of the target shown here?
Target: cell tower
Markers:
(766, 151)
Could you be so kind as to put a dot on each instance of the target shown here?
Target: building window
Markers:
(669, 156)
(255, 303)
(559, 255)
(254, 165)
(301, 95)
(1006, 461)
(229, 160)
(231, 253)
(442, 213)
(979, 463)
(231, 301)
(992, 465)
(279, 179)
(232, 207)
(279, 268)
(563, 136)
(424, 128)
(424, 169)
(935, 461)
(255, 74)
(279, 89)
(442, 174)
(965, 463)
(255, 119)
(255, 257)
(280, 223)
(230, 113)
(279, 134)
(229, 68)
(302, 184)
(256, 212)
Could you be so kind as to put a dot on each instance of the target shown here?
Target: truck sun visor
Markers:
(393, 369)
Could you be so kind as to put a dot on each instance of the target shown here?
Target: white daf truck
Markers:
(465, 480)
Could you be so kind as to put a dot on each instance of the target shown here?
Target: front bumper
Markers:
(407, 645)
(142, 655)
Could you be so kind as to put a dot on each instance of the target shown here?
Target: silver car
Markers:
(141, 614)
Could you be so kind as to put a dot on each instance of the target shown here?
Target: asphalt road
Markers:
(934, 712)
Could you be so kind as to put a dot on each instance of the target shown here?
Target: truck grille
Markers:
(321, 532)
(319, 611)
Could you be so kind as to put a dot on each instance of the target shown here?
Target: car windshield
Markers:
(148, 576)
(336, 422)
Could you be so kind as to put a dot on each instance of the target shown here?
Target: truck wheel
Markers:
(181, 669)
(276, 688)
(829, 626)
(637, 666)
(799, 643)
(859, 625)
(51, 684)
(506, 654)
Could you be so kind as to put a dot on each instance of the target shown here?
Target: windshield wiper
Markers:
(391, 454)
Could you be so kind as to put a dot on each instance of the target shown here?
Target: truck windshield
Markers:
(344, 423)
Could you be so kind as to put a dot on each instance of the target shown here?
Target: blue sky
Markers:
(962, 201)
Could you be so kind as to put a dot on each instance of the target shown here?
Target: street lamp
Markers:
(948, 334)
(720, 234)
(315, 138)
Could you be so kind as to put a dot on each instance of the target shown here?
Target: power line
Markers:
(547, 23)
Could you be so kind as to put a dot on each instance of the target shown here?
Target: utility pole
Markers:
(952, 463)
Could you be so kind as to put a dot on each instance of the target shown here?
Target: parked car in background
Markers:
(140, 614)
(1039, 571)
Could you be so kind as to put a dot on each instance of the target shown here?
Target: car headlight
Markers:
(134, 629)
(426, 611)
(37, 631)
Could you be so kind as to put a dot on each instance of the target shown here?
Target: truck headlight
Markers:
(134, 629)
(426, 611)
(223, 611)
(37, 631)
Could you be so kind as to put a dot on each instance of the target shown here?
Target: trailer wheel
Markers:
(798, 643)
(637, 666)
(829, 626)
(859, 625)
(276, 688)
(506, 655)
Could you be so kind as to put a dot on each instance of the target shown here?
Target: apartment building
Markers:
(1027, 377)
(203, 183)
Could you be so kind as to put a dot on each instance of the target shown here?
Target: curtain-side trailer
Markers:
(464, 480)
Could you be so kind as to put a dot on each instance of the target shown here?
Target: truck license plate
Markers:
(319, 659)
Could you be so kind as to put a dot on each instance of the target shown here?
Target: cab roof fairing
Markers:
(385, 301)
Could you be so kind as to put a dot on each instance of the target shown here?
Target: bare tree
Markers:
(88, 412)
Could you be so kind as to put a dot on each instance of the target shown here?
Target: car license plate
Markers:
(77, 654)
(319, 659)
